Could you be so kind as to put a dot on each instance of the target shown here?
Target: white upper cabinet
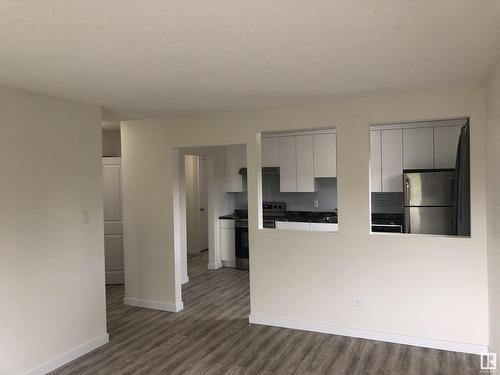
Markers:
(393, 149)
(446, 144)
(235, 160)
(392, 160)
(304, 145)
(325, 155)
(288, 164)
(270, 152)
(375, 161)
(296, 154)
(418, 148)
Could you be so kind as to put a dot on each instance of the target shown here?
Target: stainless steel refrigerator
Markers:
(429, 201)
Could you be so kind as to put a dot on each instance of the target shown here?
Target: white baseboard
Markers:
(214, 266)
(69, 356)
(150, 304)
(185, 280)
(370, 335)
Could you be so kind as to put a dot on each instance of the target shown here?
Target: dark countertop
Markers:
(310, 217)
(296, 216)
(237, 214)
(229, 217)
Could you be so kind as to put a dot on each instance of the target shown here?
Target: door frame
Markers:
(180, 233)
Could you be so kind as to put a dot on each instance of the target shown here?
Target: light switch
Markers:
(316, 204)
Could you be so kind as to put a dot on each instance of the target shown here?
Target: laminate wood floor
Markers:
(212, 336)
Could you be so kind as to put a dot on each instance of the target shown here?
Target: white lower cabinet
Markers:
(227, 246)
(325, 227)
(320, 227)
(292, 225)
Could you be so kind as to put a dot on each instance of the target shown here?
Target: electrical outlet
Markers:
(85, 217)
(316, 204)
(358, 304)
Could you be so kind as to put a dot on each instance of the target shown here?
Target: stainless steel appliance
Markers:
(429, 201)
(270, 210)
(387, 223)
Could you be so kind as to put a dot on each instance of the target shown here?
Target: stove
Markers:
(271, 211)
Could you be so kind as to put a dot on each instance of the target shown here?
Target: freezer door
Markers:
(428, 188)
(429, 220)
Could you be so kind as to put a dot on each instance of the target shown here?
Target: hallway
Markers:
(212, 336)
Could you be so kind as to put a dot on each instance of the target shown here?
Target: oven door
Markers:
(387, 228)
(241, 245)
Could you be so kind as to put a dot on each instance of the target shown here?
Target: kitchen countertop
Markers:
(295, 216)
(309, 217)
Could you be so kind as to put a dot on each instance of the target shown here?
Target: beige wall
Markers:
(493, 156)
(425, 286)
(52, 265)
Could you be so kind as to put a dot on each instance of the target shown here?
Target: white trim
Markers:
(369, 334)
(420, 124)
(69, 356)
(214, 266)
(151, 304)
(185, 279)
(111, 160)
(298, 132)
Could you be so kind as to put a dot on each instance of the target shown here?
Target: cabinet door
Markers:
(292, 225)
(288, 165)
(418, 148)
(392, 160)
(375, 161)
(270, 152)
(234, 181)
(325, 155)
(227, 247)
(305, 163)
(445, 146)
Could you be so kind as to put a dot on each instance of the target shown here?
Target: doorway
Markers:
(196, 203)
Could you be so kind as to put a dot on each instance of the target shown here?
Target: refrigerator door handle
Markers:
(407, 191)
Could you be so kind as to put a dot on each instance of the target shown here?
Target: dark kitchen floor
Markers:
(212, 336)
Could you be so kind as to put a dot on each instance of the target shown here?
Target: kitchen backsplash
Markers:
(326, 195)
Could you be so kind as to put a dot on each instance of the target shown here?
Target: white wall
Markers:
(424, 286)
(493, 156)
(52, 265)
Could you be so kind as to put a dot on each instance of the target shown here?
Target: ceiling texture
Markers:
(144, 59)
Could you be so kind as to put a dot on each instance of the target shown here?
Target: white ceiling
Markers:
(153, 58)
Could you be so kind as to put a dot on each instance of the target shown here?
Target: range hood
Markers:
(265, 170)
